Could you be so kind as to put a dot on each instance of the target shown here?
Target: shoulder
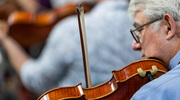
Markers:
(163, 88)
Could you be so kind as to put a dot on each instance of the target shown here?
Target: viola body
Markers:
(123, 84)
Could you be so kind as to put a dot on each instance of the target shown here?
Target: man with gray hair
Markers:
(157, 34)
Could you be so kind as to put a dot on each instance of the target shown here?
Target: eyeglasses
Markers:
(134, 31)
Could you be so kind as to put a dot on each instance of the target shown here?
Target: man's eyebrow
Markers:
(136, 24)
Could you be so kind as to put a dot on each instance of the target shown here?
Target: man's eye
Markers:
(139, 30)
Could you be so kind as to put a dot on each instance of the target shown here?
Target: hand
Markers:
(3, 30)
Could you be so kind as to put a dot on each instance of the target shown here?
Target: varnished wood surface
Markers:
(123, 84)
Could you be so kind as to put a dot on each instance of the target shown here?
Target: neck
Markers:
(174, 48)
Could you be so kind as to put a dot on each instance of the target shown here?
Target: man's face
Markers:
(151, 43)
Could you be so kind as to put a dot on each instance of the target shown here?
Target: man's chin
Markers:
(144, 57)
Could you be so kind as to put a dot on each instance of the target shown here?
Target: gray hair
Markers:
(155, 9)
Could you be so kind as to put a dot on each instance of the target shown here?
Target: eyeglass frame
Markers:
(136, 38)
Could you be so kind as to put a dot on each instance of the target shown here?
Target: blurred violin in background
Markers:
(29, 29)
(32, 29)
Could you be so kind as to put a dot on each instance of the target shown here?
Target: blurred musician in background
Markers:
(60, 62)
(11, 87)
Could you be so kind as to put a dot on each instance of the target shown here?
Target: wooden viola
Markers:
(123, 84)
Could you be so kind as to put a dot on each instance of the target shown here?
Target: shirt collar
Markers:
(174, 61)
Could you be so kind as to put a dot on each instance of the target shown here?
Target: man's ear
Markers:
(170, 26)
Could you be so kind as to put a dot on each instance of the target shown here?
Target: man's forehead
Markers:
(139, 18)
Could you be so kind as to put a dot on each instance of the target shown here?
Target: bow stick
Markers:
(80, 12)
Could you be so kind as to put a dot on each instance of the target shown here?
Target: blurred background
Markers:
(30, 22)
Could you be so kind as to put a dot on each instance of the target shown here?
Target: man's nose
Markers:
(136, 46)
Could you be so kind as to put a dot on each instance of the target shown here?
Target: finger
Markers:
(3, 27)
